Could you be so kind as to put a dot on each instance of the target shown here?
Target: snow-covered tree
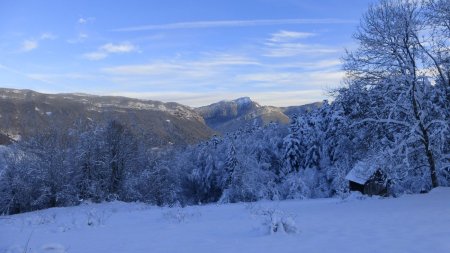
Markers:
(294, 151)
(389, 67)
(39, 174)
(230, 166)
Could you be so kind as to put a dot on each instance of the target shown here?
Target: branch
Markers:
(386, 121)
(443, 122)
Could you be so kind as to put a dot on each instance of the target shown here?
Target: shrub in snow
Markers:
(294, 187)
(276, 221)
(95, 218)
(39, 219)
(180, 215)
(355, 195)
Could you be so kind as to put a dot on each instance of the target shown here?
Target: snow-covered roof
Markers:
(362, 171)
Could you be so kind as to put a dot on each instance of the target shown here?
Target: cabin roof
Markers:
(362, 171)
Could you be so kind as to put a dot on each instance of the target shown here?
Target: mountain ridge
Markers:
(24, 112)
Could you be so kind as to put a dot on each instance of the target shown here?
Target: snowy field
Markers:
(411, 223)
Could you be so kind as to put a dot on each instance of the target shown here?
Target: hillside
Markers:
(300, 109)
(411, 223)
(25, 112)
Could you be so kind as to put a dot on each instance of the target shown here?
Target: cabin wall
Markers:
(374, 188)
(356, 187)
(376, 185)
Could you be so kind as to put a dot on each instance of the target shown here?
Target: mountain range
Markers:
(26, 112)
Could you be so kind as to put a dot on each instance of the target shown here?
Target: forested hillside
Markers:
(24, 113)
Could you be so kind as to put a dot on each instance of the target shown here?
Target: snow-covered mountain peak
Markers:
(243, 100)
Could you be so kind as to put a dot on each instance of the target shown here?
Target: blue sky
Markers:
(278, 52)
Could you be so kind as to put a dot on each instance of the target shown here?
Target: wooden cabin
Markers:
(368, 178)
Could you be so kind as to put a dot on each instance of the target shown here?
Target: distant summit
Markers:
(227, 116)
(243, 101)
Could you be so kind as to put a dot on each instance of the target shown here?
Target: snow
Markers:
(411, 223)
(362, 171)
(179, 111)
(243, 101)
(16, 137)
(239, 101)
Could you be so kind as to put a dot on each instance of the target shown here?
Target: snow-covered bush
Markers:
(275, 221)
(355, 195)
(41, 219)
(180, 215)
(294, 187)
(96, 218)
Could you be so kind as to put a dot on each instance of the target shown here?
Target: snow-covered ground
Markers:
(411, 223)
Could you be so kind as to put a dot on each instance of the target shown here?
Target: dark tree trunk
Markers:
(425, 140)
(430, 157)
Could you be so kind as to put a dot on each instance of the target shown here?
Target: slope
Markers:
(25, 112)
(411, 223)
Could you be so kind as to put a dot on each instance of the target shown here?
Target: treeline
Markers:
(393, 112)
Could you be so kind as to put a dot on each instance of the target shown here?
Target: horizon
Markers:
(279, 53)
(145, 99)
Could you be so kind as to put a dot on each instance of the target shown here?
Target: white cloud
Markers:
(288, 44)
(328, 63)
(294, 79)
(295, 49)
(47, 36)
(229, 74)
(59, 77)
(81, 37)
(193, 68)
(215, 59)
(143, 69)
(232, 23)
(95, 56)
(29, 45)
(26, 75)
(309, 65)
(283, 36)
(118, 48)
(85, 20)
(32, 44)
(109, 48)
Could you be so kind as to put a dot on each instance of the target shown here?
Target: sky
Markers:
(278, 52)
